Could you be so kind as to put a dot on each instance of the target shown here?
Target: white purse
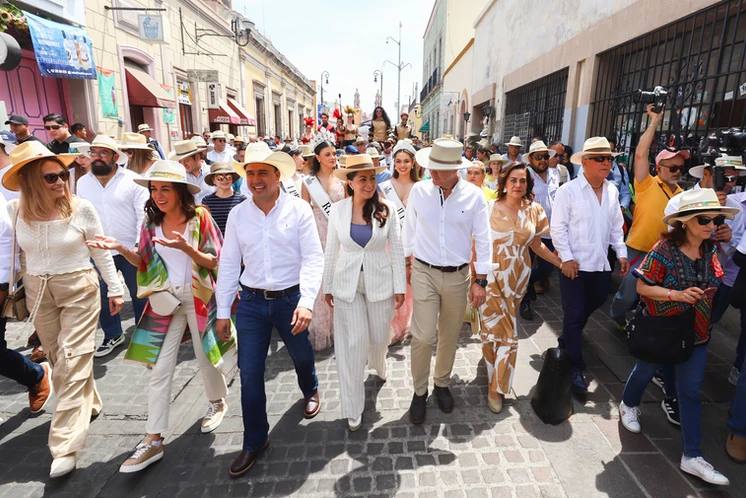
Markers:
(164, 303)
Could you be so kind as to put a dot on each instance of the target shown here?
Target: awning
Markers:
(425, 128)
(223, 114)
(243, 115)
(144, 91)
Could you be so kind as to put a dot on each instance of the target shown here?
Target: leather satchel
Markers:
(661, 339)
(14, 306)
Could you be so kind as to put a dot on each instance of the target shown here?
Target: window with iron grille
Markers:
(700, 60)
(536, 109)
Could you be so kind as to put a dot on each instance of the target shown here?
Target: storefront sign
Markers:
(151, 28)
(169, 117)
(184, 92)
(107, 93)
(62, 51)
(203, 75)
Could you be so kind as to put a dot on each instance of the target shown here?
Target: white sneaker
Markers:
(62, 466)
(214, 416)
(733, 376)
(699, 467)
(354, 424)
(629, 416)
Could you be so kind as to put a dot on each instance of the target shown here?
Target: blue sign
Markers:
(62, 51)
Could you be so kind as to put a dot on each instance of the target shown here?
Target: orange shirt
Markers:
(651, 197)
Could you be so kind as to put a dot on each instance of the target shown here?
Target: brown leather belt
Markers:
(444, 269)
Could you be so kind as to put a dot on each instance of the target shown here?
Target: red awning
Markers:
(144, 91)
(243, 115)
(223, 115)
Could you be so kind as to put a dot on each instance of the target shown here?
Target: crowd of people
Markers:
(355, 238)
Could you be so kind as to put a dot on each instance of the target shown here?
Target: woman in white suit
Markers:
(364, 279)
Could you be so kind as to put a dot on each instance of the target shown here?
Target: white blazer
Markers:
(382, 258)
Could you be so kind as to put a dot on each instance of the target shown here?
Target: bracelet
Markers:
(669, 294)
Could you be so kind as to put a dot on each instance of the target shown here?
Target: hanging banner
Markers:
(107, 94)
(62, 51)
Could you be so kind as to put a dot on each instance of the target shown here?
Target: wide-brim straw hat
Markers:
(26, 153)
(444, 155)
(133, 141)
(515, 141)
(143, 127)
(735, 162)
(306, 151)
(220, 169)
(219, 134)
(184, 149)
(497, 158)
(538, 146)
(101, 140)
(699, 201)
(260, 153)
(166, 170)
(355, 163)
(594, 146)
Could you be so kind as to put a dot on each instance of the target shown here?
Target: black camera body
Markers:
(658, 97)
(727, 142)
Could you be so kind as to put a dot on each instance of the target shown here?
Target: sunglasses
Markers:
(221, 177)
(600, 159)
(51, 178)
(730, 178)
(218, 140)
(706, 220)
(52, 127)
(672, 169)
(539, 157)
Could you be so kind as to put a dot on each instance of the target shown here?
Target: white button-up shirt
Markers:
(278, 250)
(582, 229)
(6, 241)
(221, 157)
(199, 181)
(440, 231)
(120, 204)
(544, 191)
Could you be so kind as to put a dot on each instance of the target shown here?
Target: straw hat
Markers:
(538, 146)
(260, 153)
(239, 140)
(230, 137)
(516, 141)
(200, 142)
(355, 163)
(101, 140)
(700, 201)
(594, 146)
(218, 134)
(220, 169)
(498, 158)
(735, 162)
(166, 170)
(143, 127)
(26, 153)
(306, 151)
(131, 140)
(184, 149)
(373, 153)
(444, 155)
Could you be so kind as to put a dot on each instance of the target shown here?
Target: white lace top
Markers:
(57, 247)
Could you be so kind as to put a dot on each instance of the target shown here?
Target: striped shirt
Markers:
(220, 207)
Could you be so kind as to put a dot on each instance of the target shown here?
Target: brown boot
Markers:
(735, 447)
(39, 395)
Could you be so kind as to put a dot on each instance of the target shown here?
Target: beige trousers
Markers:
(66, 322)
(439, 306)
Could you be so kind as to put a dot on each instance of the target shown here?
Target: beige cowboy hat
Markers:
(373, 153)
(594, 146)
(239, 140)
(166, 170)
(354, 163)
(143, 127)
(220, 169)
(699, 201)
(538, 146)
(200, 142)
(260, 153)
(101, 140)
(735, 162)
(219, 134)
(133, 141)
(497, 158)
(26, 153)
(184, 149)
(253, 150)
(306, 151)
(230, 137)
(444, 155)
(515, 141)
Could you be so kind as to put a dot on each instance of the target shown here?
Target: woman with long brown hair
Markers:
(140, 156)
(62, 290)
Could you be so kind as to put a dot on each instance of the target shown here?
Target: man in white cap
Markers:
(120, 204)
(586, 220)
(145, 130)
(444, 216)
(220, 153)
(514, 150)
(189, 155)
(273, 235)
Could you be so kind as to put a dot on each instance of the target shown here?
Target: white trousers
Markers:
(161, 377)
(361, 332)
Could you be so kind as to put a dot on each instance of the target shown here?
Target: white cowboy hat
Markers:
(735, 162)
(538, 146)
(306, 151)
(218, 134)
(143, 127)
(594, 146)
(699, 201)
(101, 140)
(372, 152)
(516, 141)
(357, 162)
(497, 158)
(260, 153)
(200, 142)
(165, 170)
(132, 141)
(25, 153)
(230, 137)
(444, 155)
(184, 149)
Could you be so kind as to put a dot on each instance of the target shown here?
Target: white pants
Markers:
(159, 392)
(361, 332)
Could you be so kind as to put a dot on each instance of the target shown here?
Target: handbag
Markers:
(14, 306)
(661, 339)
(164, 303)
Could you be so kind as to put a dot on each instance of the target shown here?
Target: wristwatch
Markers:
(482, 282)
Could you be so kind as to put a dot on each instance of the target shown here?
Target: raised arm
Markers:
(641, 164)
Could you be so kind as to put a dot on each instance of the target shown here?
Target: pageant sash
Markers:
(318, 194)
(390, 192)
(289, 187)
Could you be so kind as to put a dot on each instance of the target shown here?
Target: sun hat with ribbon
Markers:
(218, 134)
(498, 158)
(131, 140)
(515, 141)
(184, 149)
(143, 127)
(220, 169)
(699, 201)
(444, 155)
(594, 146)
(538, 146)
(260, 153)
(101, 140)
(26, 153)
(166, 170)
(357, 162)
(735, 162)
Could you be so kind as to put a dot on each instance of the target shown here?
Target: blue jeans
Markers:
(580, 298)
(541, 271)
(112, 325)
(737, 419)
(689, 375)
(626, 296)
(719, 307)
(16, 366)
(255, 319)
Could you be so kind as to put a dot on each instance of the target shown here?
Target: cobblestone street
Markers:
(470, 452)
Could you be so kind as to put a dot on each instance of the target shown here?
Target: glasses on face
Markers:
(218, 140)
(52, 127)
(600, 159)
(673, 169)
(706, 220)
(730, 178)
(541, 157)
(51, 178)
(221, 177)
(100, 153)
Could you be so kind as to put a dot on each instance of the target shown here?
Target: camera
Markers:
(657, 97)
(718, 149)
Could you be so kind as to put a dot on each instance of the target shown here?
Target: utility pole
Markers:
(399, 68)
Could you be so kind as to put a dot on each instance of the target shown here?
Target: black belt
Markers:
(444, 269)
(270, 295)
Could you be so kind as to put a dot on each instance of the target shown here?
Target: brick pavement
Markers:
(470, 452)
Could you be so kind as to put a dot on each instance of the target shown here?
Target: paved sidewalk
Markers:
(470, 452)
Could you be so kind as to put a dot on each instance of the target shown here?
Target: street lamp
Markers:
(399, 68)
(376, 74)
(324, 76)
(467, 115)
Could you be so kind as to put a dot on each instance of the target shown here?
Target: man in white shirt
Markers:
(120, 204)
(7, 144)
(189, 154)
(221, 152)
(274, 235)
(444, 215)
(586, 220)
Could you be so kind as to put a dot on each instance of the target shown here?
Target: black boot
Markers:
(526, 310)
(445, 400)
(418, 408)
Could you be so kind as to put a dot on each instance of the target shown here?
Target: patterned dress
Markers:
(321, 329)
(507, 284)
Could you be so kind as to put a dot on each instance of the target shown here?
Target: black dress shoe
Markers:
(526, 310)
(417, 409)
(245, 460)
(445, 400)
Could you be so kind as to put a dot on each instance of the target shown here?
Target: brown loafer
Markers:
(735, 447)
(245, 460)
(38, 355)
(38, 396)
(313, 406)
